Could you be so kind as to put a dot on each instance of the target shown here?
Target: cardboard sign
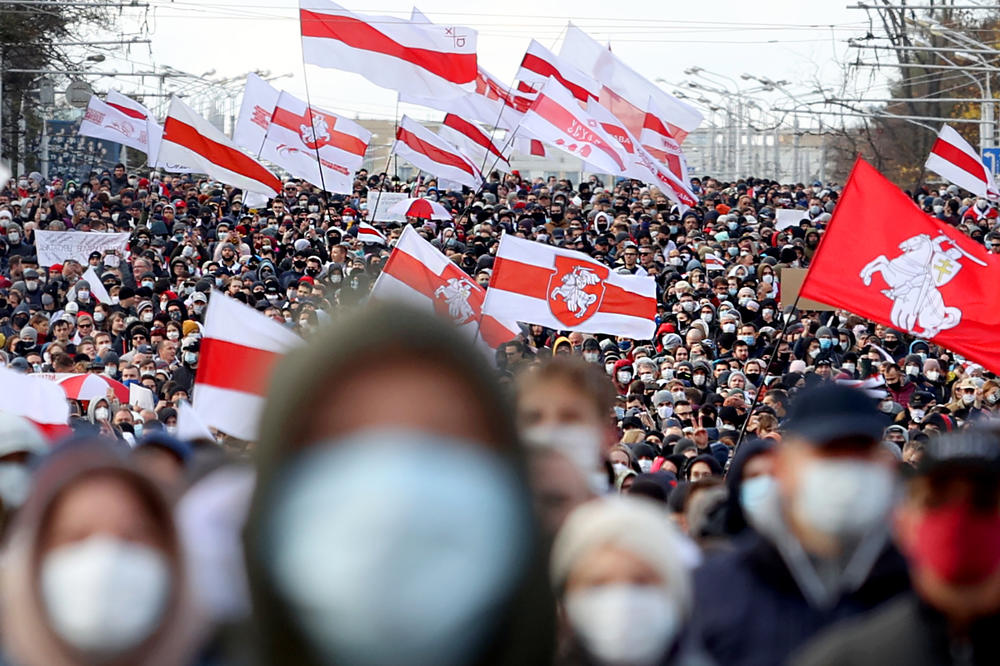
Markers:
(791, 282)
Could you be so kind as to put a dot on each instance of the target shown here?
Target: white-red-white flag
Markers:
(525, 145)
(369, 234)
(429, 152)
(641, 164)
(624, 91)
(259, 100)
(555, 117)
(97, 289)
(474, 142)
(238, 352)
(418, 273)
(154, 130)
(104, 121)
(567, 290)
(192, 141)
(321, 147)
(38, 400)
(713, 263)
(424, 59)
(539, 64)
(956, 161)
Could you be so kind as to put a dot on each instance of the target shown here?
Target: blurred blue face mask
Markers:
(395, 546)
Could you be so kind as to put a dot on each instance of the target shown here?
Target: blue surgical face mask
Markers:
(749, 339)
(754, 492)
(423, 576)
(825, 343)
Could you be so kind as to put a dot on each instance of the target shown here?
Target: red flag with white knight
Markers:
(418, 273)
(568, 290)
(883, 258)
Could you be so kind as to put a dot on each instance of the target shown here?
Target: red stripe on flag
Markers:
(413, 273)
(294, 121)
(533, 281)
(130, 112)
(474, 133)
(179, 132)
(227, 365)
(433, 152)
(494, 333)
(537, 148)
(533, 63)
(959, 158)
(566, 122)
(455, 67)
(651, 122)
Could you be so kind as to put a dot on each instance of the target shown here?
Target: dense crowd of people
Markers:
(755, 485)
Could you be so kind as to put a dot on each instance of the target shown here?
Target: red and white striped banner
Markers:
(259, 100)
(97, 289)
(316, 145)
(192, 141)
(555, 117)
(134, 109)
(474, 142)
(567, 290)
(36, 399)
(957, 162)
(238, 353)
(429, 152)
(539, 64)
(624, 91)
(660, 143)
(102, 120)
(423, 59)
(369, 234)
(418, 273)
(713, 263)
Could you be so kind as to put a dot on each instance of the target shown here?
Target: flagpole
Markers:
(767, 371)
(312, 122)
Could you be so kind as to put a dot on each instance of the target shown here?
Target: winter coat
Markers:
(749, 610)
(907, 631)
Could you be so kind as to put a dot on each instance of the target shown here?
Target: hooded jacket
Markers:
(28, 638)
(524, 630)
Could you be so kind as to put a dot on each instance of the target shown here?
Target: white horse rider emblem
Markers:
(573, 293)
(914, 279)
(315, 133)
(456, 295)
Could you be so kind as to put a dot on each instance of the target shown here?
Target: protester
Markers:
(949, 529)
(440, 481)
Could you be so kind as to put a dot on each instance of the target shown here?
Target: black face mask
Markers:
(312, 271)
(557, 217)
(299, 265)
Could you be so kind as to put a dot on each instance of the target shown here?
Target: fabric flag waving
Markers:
(641, 163)
(299, 135)
(956, 161)
(883, 258)
(140, 113)
(428, 152)
(259, 100)
(539, 64)
(417, 272)
(567, 290)
(423, 59)
(192, 141)
(556, 118)
(626, 92)
(658, 140)
(39, 400)
(97, 289)
(104, 121)
(237, 355)
(473, 142)
(369, 234)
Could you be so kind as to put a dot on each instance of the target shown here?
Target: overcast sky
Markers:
(798, 41)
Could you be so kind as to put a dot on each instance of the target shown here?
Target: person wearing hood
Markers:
(750, 480)
(93, 568)
(820, 549)
(21, 444)
(621, 574)
(421, 493)
(948, 526)
(622, 375)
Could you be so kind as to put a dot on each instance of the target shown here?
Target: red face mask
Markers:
(958, 544)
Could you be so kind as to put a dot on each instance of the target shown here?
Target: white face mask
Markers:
(380, 601)
(813, 353)
(698, 380)
(645, 465)
(933, 375)
(591, 357)
(917, 415)
(729, 328)
(844, 498)
(647, 377)
(624, 624)
(173, 334)
(665, 411)
(968, 398)
(849, 367)
(706, 317)
(579, 443)
(104, 595)
(678, 395)
(101, 413)
(912, 370)
(15, 484)
(624, 376)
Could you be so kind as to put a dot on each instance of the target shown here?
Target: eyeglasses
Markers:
(85, 325)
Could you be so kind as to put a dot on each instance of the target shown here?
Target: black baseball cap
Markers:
(829, 412)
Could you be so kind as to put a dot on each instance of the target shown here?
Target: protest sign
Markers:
(55, 247)
(789, 217)
(385, 201)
